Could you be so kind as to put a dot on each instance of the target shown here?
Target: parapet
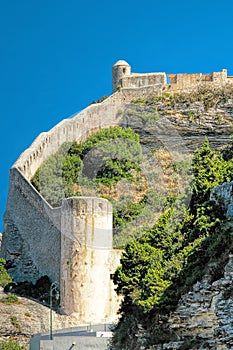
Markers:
(77, 128)
(187, 81)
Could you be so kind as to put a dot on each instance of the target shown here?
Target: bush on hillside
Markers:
(4, 276)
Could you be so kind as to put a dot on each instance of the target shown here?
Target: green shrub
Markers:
(116, 152)
(4, 276)
(10, 345)
(139, 101)
(101, 99)
(15, 322)
(10, 299)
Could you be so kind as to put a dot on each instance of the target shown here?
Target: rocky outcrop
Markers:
(185, 123)
(204, 316)
(223, 194)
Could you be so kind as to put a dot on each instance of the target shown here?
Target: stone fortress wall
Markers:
(72, 244)
(129, 86)
(187, 81)
(91, 119)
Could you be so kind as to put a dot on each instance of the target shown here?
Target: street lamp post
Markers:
(53, 288)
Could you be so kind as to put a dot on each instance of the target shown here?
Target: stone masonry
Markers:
(71, 244)
(88, 260)
(128, 86)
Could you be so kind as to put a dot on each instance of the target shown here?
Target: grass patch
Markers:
(15, 322)
(10, 299)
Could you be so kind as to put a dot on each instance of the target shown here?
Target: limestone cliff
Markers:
(203, 317)
(182, 121)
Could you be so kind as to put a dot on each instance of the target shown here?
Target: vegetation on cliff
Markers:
(4, 276)
(107, 164)
(101, 158)
(209, 97)
(169, 258)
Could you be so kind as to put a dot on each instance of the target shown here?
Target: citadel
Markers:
(72, 244)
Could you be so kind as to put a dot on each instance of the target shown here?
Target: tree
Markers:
(209, 170)
(141, 274)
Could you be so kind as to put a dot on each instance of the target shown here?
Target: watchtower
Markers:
(119, 70)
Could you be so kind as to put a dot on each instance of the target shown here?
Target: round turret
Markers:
(119, 70)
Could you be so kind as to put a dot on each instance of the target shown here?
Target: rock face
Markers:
(204, 316)
(179, 123)
(223, 194)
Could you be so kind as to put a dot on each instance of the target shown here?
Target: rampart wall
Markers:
(189, 81)
(127, 95)
(36, 241)
(91, 119)
(136, 85)
(31, 236)
(141, 80)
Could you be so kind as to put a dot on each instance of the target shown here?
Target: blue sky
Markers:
(56, 56)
